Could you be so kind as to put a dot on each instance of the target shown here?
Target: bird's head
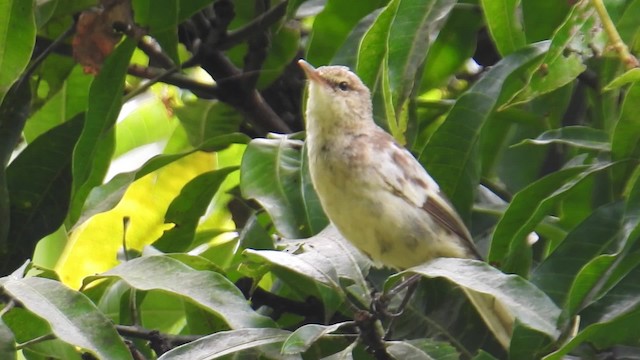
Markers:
(337, 95)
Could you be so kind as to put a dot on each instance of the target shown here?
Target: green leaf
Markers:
(542, 18)
(332, 27)
(562, 63)
(626, 134)
(72, 316)
(205, 119)
(400, 39)
(576, 136)
(451, 155)
(522, 216)
(530, 306)
(208, 289)
(589, 239)
(305, 336)
(351, 265)
(70, 100)
(95, 146)
(39, 204)
(272, 173)
(7, 342)
(617, 330)
(149, 123)
(227, 343)
(187, 208)
(454, 45)
(629, 77)
(13, 115)
(404, 350)
(502, 21)
(105, 197)
(17, 38)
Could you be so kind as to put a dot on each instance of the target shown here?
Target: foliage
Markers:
(155, 200)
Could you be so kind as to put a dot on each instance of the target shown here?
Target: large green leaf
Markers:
(208, 289)
(530, 306)
(576, 136)
(72, 316)
(400, 39)
(591, 238)
(562, 63)
(186, 209)
(332, 26)
(17, 38)
(272, 172)
(611, 331)
(451, 155)
(502, 21)
(39, 204)
(105, 197)
(205, 119)
(92, 154)
(70, 100)
(229, 343)
(541, 18)
(521, 217)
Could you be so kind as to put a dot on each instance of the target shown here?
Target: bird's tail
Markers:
(494, 314)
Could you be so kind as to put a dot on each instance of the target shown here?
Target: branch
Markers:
(160, 343)
(170, 77)
(259, 24)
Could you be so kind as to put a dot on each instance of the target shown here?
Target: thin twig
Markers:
(37, 340)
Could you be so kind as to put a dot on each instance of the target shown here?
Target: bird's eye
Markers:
(344, 86)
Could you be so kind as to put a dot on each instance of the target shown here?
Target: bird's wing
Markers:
(406, 178)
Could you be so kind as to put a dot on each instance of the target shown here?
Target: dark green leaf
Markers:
(562, 63)
(13, 115)
(451, 155)
(272, 172)
(407, 27)
(576, 136)
(591, 238)
(187, 208)
(93, 151)
(617, 330)
(72, 316)
(39, 204)
(227, 343)
(541, 18)
(208, 289)
(522, 216)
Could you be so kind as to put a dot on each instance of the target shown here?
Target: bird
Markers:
(374, 191)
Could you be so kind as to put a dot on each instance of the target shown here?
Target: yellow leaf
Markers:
(93, 246)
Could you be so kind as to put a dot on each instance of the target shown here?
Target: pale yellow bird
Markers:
(374, 191)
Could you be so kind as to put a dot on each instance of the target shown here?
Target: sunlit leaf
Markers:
(17, 38)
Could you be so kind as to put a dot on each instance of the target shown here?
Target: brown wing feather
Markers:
(450, 222)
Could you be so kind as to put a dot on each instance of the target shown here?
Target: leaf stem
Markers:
(618, 45)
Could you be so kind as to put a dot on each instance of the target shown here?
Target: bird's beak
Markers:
(310, 71)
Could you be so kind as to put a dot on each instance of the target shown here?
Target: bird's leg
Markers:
(380, 302)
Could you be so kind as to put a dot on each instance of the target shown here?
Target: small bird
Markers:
(372, 189)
